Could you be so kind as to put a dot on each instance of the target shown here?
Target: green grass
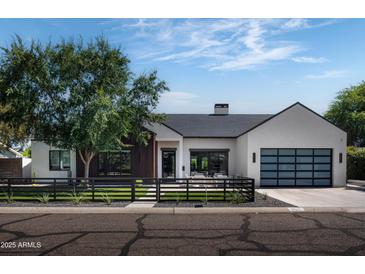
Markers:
(117, 193)
(196, 195)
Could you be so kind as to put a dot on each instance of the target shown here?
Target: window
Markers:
(59, 160)
(209, 162)
(114, 163)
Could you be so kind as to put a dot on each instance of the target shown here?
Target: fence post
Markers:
(253, 190)
(224, 190)
(133, 193)
(93, 189)
(187, 189)
(54, 189)
(158, 190)
(9, 187)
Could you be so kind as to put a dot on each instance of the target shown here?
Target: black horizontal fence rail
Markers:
(127, 189)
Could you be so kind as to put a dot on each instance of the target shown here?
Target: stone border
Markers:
(177, 210)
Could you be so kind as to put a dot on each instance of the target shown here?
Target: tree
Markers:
(78, 96)
(348, 112)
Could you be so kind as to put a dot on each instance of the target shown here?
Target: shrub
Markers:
(77, 198)
(356, 163)
(44, 198)
(106, 199)
(9, 198)
(236, 197)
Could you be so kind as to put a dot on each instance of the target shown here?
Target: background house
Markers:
(13, 164)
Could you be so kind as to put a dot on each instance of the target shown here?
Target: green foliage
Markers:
(236, 197)
(264, 196)
(356, 163)
(77, 198)
(27, 152)
(107, 199)
(348, 113)
(76, 95)
(44, 198)
(9, 198)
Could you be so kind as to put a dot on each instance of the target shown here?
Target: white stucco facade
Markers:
(297, 127)
(40, 162)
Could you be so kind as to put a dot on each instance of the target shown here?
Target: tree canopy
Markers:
(76, 95)
(347, 111)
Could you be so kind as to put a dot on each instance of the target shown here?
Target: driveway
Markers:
(318, 197)
(167, 234)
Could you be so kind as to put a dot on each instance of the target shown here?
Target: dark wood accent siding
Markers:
(142, 161)
(10, 167)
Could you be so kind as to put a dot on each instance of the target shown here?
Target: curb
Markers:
(177, 210)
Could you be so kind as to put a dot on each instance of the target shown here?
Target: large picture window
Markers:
(59, 160)
(209, 162)
(115, 163)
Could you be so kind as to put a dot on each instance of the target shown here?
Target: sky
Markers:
(254, 65)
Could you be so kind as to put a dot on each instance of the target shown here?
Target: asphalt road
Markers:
(230, 234)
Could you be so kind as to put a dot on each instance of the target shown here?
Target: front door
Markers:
(168, 163)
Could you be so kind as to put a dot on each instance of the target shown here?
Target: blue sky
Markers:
(255, 65)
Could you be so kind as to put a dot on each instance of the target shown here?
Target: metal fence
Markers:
(129, 189)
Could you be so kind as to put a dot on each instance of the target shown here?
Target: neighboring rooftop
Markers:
(210, 125)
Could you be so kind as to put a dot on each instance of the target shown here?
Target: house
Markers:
(295, 147)
(13, 164)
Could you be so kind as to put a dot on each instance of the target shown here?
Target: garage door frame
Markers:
(316, 156)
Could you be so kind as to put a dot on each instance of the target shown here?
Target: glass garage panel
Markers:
(287, 152)
(322, 182)
(322, 159)
(266, 159)
(269, 152)
(286, 159)
(303, 159)
(287, 167)
(296, 167)
(286, 182)
(269, 166)
(308, 152)
(269, 174)
(304, 182)
(322, 167)
(326, 152)
(286, 174)
(304, 167)
(269, 182)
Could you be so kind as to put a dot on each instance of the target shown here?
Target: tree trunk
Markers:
(86, 157)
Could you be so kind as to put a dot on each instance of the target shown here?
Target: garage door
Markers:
(296, 167)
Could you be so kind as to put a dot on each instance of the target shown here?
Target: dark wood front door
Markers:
(168, 163)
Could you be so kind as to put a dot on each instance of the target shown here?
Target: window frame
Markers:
(60, 166)
(106, 165)
(208, 153)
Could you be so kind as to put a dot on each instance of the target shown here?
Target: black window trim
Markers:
(121, 173)
(210, 150)
(59, 160)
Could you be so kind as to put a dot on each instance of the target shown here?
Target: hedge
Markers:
(356, 163)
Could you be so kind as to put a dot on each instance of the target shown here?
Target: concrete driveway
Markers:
(318, 197)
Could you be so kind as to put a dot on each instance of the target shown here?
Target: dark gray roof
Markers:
(204, 125)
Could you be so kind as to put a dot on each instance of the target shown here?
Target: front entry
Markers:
(168, 163)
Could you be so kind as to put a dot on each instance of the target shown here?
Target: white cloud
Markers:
(328, 74)
(220, 44)
(253, 59)
(311, 60)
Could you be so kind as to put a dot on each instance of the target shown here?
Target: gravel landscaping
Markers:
(64, 204)
(260, 201)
